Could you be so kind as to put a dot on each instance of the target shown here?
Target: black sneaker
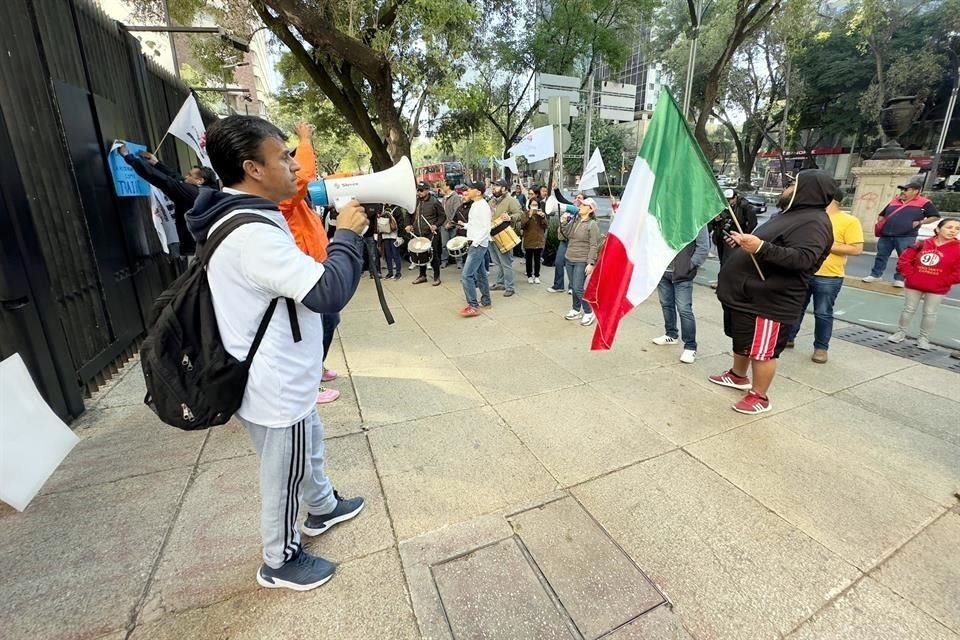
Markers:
(345, 510)
(302, 573)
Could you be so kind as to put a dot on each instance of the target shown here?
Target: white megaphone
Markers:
(557, 203)
(396, 186)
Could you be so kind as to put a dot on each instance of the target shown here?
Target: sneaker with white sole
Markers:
(552, 290)
(897, 337)
(923, 343)
(536, 280)
(689, 356)
(530, 280)
(872, 279)
(302, 573)
(752, 403)
(664, 340)
(572, 315)
(345, 510)
(898, 284)
(588, 319)
(730, 379)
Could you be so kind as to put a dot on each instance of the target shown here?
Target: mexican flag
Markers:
(670, 195)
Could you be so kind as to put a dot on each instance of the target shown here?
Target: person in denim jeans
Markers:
(473, 276)
(583, 243)
(559, 262)
(826, 283)
(901, 219)
(675, 291)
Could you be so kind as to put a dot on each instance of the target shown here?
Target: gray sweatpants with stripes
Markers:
(291, 470)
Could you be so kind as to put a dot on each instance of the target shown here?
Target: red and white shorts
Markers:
(753, 336)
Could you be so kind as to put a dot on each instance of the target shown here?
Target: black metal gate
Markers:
(80, 266)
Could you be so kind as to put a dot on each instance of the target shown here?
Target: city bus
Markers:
(434, 174)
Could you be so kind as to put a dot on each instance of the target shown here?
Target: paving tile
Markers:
(577, 436)
(394, 395)
(366, 599)
(508, 309)
(493, 593)
(441, 470)
(214, 549)
(467, 337)
(392, 349)
(932, 380)
(849, 508)
(444, 316)
(127, 441)
(928, 412)
(926, 571)
(544, 328)
(341, 417)
(849, 365)
(130, 389)
(659, 624)
(365, 299)
(628, 355)
(227, 441)
(733, 569)
(599, 586)
(370, 321)
(902, 454)
(78, 560)
(870, 611)
(509, 374)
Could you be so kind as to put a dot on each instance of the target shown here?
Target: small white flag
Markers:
(509, 163)
(590, 178)
(536, 145)
(163, 218)
(188, 126)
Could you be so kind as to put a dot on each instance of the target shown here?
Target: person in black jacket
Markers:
(724, 223)
(759, 311)
(426, 221)
(182, 190)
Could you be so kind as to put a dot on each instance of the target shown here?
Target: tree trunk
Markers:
(881, 91)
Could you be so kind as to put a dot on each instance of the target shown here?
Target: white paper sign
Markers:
(33, 440)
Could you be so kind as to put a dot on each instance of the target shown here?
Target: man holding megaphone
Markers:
(252, 266)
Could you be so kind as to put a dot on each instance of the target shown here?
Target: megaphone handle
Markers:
(374, 269)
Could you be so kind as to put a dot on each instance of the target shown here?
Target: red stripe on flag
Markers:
(607, 292)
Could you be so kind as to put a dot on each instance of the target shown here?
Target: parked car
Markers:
(757, 202)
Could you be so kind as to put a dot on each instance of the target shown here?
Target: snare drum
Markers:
(457, 247)
(504, 237)
(421, 251)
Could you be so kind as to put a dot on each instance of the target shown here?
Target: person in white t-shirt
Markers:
(473, 275)
(255, 264)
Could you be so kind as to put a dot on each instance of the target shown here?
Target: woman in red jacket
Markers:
(930, 268)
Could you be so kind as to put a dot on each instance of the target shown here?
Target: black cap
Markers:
(422, 186)
(479, 185)
(915, 182)
(502, 183)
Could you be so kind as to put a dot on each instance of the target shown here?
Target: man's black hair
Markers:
(236, 139)
(451, 184)
(208, 176)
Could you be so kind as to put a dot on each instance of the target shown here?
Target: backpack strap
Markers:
(210, 245)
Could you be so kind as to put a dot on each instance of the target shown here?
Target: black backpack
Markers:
(192, 382)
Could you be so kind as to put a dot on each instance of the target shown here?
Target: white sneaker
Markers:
(898, 284)
(688, 356)
(572, 315)
(923, 343)
(411, 267)
(569, 290)
(588, 319)
(664, 340)
(530, 280)
(536, 280)
(898, 337)
(552, 290)
(872, 279)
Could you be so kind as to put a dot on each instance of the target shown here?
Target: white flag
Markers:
(188, 126)
(590, 178)
(509, 163)
(163, 218)
(536, 145)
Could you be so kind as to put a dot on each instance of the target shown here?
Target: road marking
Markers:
(885, 324)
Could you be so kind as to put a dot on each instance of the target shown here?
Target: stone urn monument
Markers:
(879, 176)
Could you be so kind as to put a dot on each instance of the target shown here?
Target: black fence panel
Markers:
(85, 262)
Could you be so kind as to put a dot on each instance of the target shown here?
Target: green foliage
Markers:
(606, 136)
(946, 201)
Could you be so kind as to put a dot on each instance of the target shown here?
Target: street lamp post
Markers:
(692, 59)
(935, 163)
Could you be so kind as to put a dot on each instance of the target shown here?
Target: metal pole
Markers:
(587, 129)
(692, 61)
(173, 44)
(935, 163)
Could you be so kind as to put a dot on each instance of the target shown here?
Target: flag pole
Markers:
(740, 229)
(157, 148)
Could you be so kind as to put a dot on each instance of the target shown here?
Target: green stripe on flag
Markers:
(685, 194)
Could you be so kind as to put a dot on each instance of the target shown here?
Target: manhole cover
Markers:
(874, 339)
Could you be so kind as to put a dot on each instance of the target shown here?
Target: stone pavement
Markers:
(520, 486)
